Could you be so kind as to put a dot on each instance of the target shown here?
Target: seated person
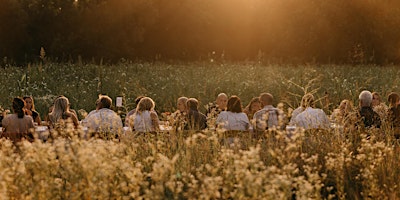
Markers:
(145, 119)
(61, 114)
(220, 105)
(378, 105)
(366, 115)
(178, 119)
(130, 113)
(252, 107)
(195, 119)
(103, 119)
(233, 118)
(30, 109)
(269, 116)
(393, 114)
(18, 125)
(311, 118)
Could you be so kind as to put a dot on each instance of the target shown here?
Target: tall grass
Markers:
(190, 165)
(166, 82)
(199, 165)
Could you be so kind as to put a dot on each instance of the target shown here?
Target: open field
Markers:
(188, 165)
(166, 82)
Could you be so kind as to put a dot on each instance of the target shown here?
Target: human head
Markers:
(61, 104)
(137, 100)
(192, 104)
(234, 104)
(343, 104)
(346, 105)
(221, 101)
(181, 104)
(146, 103)
(30, 105)
(266, 99)
(18, 106)
(393, 99)
(308, 100)
(254, 105)
(376, 99)
(104, 101)
(365, 98)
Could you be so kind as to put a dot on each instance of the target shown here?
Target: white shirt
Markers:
(233, 121)
(103, 120)
(267, 117)
(312, 118)
(296, 112)
(142, 121)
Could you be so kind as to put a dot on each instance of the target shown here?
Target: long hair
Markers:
(393, 99)
(33, 103)
(18, 106)
(146, 103)
(253, 100)
(60, 107)
(234, 104)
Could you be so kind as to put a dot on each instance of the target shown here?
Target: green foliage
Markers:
(295, 31)
(166, 82)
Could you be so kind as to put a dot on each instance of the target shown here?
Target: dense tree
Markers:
(338, 31)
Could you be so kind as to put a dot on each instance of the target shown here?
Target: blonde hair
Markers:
(146, 103)
(60, 107)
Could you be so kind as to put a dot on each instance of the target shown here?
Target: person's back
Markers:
(103, 120)
(366, 115)
(17, 125)
(233, 121)
(61, 115)
(268, 116)
(195, 119)
(145, 118)
(312, 118)
(143, 122)
(393, 114)
(13, 124)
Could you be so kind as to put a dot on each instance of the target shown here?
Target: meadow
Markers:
(199, 165)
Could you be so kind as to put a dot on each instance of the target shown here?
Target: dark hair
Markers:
(192, 104)
(137, 100)
(18, 105)
(234, 104)
(105, 101)
(393, 98)
(266, 98)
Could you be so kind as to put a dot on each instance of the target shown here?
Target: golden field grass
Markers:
(190, 165)
(199, 165)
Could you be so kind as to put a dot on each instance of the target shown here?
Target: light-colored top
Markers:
(233, 121)
(103, 120)
(12, 124)
(295, 112)
(268, 117)
(312, 118)
(143, 122)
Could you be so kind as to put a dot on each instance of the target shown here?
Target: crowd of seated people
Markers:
(227, 114)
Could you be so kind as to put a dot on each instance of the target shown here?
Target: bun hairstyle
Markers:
(18, 106)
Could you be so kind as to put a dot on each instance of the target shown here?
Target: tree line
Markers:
(296, 31)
